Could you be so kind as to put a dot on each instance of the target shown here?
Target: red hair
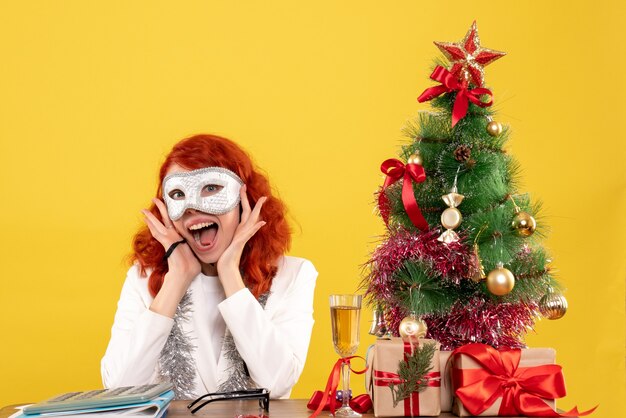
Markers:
(261, 253)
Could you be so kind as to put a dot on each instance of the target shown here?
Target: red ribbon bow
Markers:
(331, 389)
(450, 83)
(521, 388)
(394, 170)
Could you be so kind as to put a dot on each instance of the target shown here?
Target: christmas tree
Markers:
(461, 256)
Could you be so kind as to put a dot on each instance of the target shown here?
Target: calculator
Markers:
(99, 398)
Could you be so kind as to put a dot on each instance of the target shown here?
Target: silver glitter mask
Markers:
(182, 191)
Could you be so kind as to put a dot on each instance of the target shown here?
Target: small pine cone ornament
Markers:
(462, 153)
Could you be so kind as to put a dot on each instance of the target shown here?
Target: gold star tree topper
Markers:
(468, 58)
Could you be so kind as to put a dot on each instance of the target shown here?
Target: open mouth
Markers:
(204, 234)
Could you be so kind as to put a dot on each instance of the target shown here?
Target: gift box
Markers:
(385, 385)
(489, 382)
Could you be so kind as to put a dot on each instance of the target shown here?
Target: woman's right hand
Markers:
(183, 265)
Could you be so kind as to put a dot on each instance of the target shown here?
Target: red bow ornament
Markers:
(523, 389)
(450, 83)
(395, 170)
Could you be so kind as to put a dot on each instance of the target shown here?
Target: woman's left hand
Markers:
(249, 224)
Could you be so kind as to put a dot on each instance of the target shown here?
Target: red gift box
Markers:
(512, 382)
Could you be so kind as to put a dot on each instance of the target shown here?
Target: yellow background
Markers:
(93, 94)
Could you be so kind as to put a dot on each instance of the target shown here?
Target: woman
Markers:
(211, 303)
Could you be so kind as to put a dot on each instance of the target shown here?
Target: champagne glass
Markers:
(344, 313)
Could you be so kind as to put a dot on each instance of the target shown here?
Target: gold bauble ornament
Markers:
(415, 158)
(500, 281)
(411, 327)
(553, 305)
(523, 224)
(494, 128)
(451, 218)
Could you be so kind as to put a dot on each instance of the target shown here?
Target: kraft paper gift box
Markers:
(384, 361)
(529, 358)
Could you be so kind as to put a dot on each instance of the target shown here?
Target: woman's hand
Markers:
(182, 262)
(228, 263)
